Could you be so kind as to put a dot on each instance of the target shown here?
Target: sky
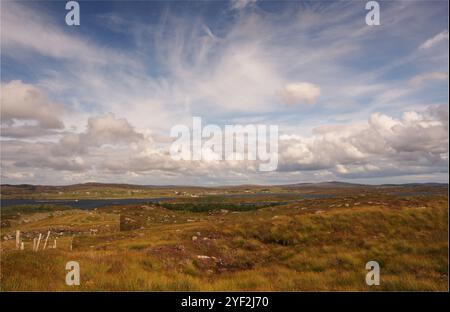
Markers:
(97, 102)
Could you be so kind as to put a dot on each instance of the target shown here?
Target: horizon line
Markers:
(229, 185)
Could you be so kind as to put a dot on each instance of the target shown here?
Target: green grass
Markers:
(28, 209)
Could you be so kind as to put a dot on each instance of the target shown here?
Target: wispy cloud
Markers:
(442, 36)
(99, 102)
(420, 79)
(241, 4)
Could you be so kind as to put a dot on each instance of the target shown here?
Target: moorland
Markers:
(284, 238)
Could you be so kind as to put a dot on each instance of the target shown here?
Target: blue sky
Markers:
(96, 102)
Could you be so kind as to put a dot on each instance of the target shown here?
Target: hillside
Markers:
(308, 244)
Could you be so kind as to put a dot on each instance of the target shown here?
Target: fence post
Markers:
(38, 242)
(17, 239)
(46, 239)
(34, 244)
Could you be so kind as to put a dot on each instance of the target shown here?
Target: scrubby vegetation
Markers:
(311, 244)
(27, 209)
(206, 206)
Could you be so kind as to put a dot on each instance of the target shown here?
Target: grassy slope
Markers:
(291, 247)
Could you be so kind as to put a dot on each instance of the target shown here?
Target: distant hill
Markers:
(329, 184)
(325, 184)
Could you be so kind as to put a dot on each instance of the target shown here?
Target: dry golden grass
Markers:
(283, 248)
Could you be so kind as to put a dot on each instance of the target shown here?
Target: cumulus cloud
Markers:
(420, 79)
(27, 111)
(107, 142)
(300, 93)
(416, 143)
(109, 129)
(384, 145)
(442, 36)
(22, 155)
(101, 130)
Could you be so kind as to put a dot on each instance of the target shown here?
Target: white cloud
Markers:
(23, 28)
(241, 4)
(109, 129)
(300, 92)
(382, 146)
(102, 130)
(27, 111)
(442, 36)
(420, 79)
(417, 141)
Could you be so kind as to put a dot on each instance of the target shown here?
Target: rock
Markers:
(194, 238)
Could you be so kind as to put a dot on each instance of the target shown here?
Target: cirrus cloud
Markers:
(442, 36)
(420, 79)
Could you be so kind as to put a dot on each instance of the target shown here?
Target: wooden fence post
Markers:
(46, 239)
(38, 242)
(17, 239)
